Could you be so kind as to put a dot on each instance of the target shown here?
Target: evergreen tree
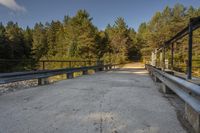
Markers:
(3, 43)
(102, 46)
(119, 41)
(80, 35)
(77, 38)
(134, 48)
(28, 40)
(14, 34)
(51, 33)
(40, 46)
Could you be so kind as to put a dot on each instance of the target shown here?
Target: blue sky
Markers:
(28, 12)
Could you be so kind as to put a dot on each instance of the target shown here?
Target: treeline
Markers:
(74, 38)
(77, 38)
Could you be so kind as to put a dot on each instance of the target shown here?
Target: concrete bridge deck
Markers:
(121, 101)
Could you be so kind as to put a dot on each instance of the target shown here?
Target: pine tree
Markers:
(119, 41)
(80, 35)
(28, 40)
(3, 43)
(40, 46)
(14, 34)
(51, 33)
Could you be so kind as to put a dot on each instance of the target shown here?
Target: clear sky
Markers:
(28, 12)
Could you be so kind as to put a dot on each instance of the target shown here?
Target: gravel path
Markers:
(122, 101)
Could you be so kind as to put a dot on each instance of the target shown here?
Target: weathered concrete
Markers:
(122, 101)
(193, 117)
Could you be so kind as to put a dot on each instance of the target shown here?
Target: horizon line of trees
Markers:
(73, 38)
(76, 37)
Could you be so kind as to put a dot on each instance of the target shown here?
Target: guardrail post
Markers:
(96, 70)
(150, 73)
(101, 68)
(70, 64)
(153, 58)
(110, 66)
(163, 61)
(85, 72)
(172, 56)
(106, 68)
(189, 66)
(165, 88)
(43, 65)
(43, 81)
(70, 75)
(156, 79)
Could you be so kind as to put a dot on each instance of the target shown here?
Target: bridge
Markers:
(123, 100)
(118, 98)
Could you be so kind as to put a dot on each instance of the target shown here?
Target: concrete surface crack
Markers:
(101, 116)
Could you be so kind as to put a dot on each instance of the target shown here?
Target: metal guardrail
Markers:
(43, 64)
(187, 91)
(70, 62)
(193, 25)
(40, 74)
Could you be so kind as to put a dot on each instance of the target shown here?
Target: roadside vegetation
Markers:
(77, 38)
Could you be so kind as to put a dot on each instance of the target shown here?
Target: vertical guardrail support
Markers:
(156, 79)
(163, 60)
(110, 66)
(43, 81)
(106, 68)
(43, 65)
(101, 69)
(85, 72)
(70, 64)
(153, 58)
(172, 56)
(70, 75)
(165, 88)
(96, 70)
(189, 64)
